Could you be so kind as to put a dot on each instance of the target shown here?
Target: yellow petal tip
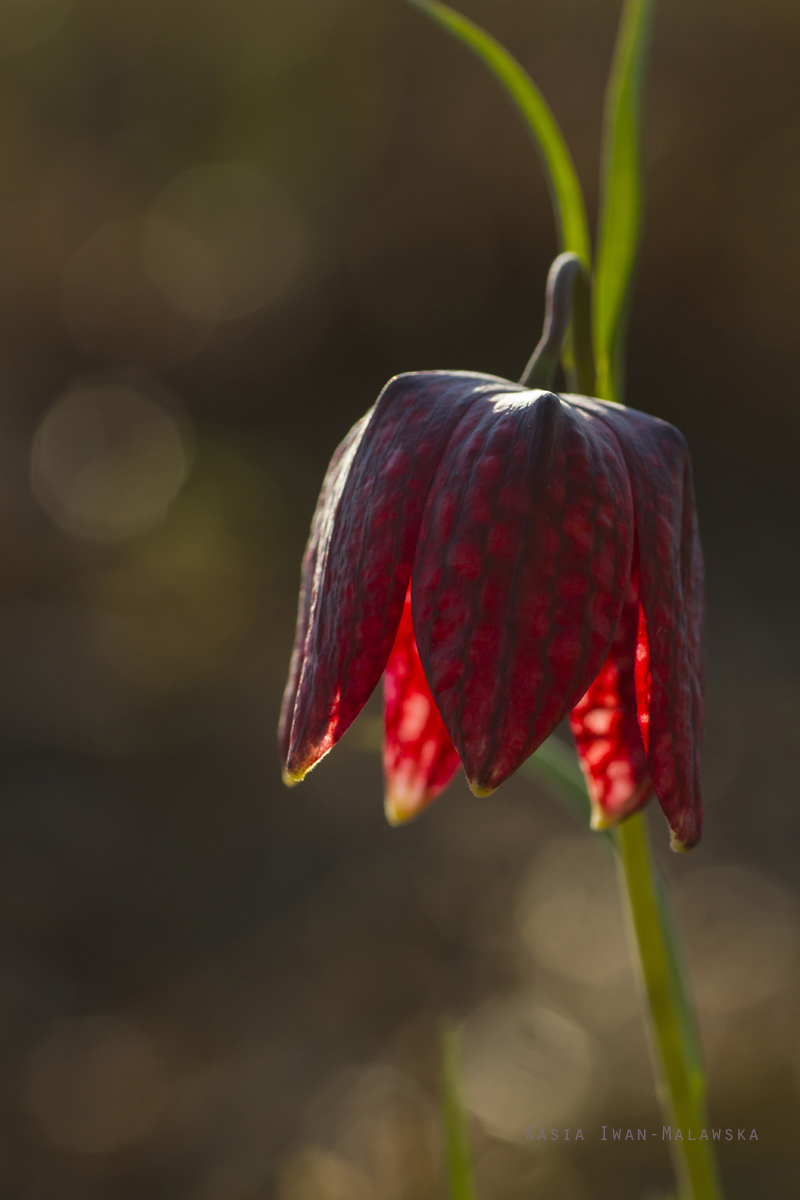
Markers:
(601, 821)
(399, 813)
(675, 844)
(292, 778)
(479, 791)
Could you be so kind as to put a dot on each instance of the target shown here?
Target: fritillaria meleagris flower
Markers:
(505, 558)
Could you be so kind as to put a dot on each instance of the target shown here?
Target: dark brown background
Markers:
(212, 988)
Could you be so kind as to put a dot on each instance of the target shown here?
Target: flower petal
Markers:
(419, 758)
(520, 575)
(330, 487)
(368, 525)
(669, 668)
(606, 728)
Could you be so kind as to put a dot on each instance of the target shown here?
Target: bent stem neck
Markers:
(565, 333)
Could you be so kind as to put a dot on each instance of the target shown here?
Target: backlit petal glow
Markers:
(606, 728)
(419, 758)
(508, 557)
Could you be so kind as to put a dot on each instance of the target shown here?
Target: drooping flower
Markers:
(508, 557)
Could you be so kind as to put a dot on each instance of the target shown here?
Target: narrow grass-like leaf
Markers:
(559, 167)
(622, 197)
(679, 973)
(562, 179)
(456, 1133)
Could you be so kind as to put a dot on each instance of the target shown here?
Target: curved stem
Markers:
(578, 353)
(680, 1075)
(561, 280)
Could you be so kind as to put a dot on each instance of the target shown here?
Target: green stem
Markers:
(682, 1089)
(561, 280)
(578, 352)
(456, 1131)
(567, 329)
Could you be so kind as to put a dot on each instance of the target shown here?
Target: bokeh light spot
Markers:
(742, 935)
(570, 916)
(95, 1084)
(525, 1065)
(315, 1173)
(107, 462)
(222, 241)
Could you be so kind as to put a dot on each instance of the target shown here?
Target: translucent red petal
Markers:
(670, 664)
(419, 758)
(606, 727)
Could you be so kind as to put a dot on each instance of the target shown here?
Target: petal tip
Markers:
(292, 778)
(601, 821)
(400, 810)
(478, 790)
(677, 845)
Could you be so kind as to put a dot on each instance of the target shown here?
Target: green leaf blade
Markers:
(562, 177)
(456, 1133)
(622, 196)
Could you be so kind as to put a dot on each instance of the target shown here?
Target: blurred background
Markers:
(223, 226)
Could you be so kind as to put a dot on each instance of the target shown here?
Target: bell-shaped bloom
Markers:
(505, 558)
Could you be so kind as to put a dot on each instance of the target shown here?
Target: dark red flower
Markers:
(547, 548)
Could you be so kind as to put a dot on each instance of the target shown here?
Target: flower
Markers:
(505, 557)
